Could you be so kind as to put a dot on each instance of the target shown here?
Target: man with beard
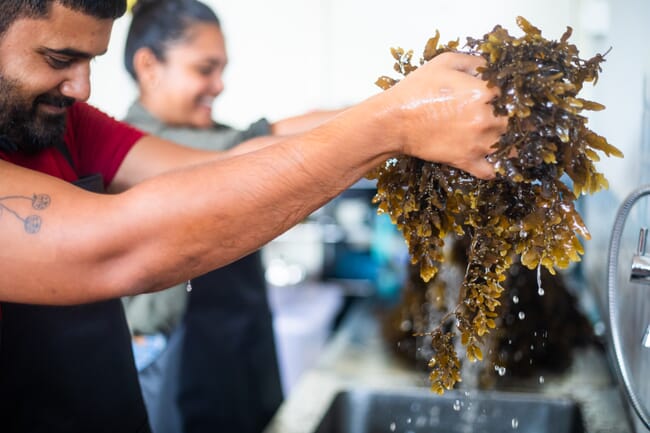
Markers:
(67, 255)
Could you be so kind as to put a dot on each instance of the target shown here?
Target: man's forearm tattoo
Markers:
(31, 223)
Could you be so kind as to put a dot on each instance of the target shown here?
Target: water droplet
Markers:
(515, 299)
(393, 426)
(408, 420)
(188, 286)
(515, 423)
(541, 379)
(540, 292)
(521, 315)
(599, 328)
(500, 370)
(457, 405)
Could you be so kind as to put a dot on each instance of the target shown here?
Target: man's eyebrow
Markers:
(71, 52)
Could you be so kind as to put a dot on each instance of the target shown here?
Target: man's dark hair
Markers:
(11, 10)
(157, 24)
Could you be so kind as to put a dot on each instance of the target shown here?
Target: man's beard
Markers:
(22, 127)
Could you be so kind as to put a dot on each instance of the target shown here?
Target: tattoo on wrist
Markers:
(31, 223)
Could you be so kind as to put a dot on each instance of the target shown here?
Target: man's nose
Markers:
(77, 83)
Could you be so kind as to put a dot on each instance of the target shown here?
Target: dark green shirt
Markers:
(219, 137)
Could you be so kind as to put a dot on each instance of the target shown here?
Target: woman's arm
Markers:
(303, 122)
(152, 156)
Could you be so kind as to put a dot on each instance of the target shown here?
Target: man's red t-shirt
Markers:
(97, 143)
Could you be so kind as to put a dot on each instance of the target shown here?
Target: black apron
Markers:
(229, 379)
(220, 372)
(69, 369)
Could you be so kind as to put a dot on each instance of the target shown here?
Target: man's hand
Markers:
(445, 114)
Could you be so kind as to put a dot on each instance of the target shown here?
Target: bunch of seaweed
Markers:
(543, 163)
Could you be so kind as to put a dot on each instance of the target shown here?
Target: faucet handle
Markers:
(640, 262)
(643, 237)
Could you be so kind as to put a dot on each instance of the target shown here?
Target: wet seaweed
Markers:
(543, 163)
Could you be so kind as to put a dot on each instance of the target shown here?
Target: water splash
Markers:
(515, 423)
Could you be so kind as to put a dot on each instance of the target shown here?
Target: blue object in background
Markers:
(389, 250)
(148, 348)
(383, 263)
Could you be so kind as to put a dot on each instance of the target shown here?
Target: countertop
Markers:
(357, 356)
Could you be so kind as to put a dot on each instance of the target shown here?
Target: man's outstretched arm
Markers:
(62, 245)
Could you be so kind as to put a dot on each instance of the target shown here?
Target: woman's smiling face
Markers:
(186, 82)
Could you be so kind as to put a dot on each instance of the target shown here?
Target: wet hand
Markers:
(445, 114)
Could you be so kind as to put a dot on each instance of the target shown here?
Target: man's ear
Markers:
(145, 65)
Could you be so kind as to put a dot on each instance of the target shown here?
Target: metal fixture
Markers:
(640, 262)
(646, 338)
(640, 273)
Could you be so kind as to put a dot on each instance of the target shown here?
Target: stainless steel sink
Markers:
(420, 411)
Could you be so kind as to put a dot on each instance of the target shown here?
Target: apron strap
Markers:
(63, 148)
(93, 182)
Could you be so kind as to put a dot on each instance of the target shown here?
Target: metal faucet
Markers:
(641, 273)
(646, 338)
(640, 261)
(630, 363)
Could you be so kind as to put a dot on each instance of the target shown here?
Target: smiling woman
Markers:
(197, 65)
(219, 366)
(176, 52)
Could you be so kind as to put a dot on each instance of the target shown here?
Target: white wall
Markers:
(622, 89)
(288, 56)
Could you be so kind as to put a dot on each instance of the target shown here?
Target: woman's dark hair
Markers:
(157, 24)
(11, 10)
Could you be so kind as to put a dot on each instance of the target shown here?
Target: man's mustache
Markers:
(56, 101)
